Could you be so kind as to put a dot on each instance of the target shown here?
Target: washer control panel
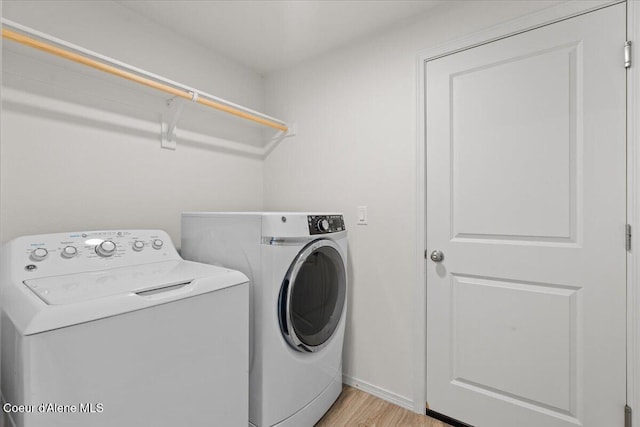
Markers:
(323, 224)
(65, 253)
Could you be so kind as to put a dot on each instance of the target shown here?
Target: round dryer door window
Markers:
(312, 296)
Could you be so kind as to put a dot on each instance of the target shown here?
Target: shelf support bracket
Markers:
(169, 122)
(278, 137)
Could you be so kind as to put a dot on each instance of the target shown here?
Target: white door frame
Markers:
(633, 209)
(516, 26)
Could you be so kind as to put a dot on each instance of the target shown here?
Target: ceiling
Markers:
(266, 35)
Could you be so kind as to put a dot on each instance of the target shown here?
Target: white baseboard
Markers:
(383, 394)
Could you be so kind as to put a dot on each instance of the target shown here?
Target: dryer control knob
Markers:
(106, 248)
(157, 244)
(322, 225)
(138, 245)
(39, 254)
(69, 252)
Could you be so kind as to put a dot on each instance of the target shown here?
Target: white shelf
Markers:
(33, 76)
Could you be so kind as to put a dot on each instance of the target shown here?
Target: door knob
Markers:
(436, 256)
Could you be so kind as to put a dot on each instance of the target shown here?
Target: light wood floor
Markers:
(355, 408)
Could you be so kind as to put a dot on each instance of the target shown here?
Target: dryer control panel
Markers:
(324, 224)
(74, 252)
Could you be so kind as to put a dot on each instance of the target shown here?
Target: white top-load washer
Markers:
(296, 263)
(113, 328)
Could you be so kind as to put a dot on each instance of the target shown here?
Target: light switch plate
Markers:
(362, 215)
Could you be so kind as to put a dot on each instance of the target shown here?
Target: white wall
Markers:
(81, 151)
(96, 163)
(355, 109)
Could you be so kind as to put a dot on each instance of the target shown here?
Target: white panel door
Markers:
(526, 199)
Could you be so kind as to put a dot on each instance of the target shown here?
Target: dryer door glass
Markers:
(313, 296)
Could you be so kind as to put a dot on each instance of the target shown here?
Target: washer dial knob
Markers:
(106, 248)
(157, 244)
(69, 252)
(322, 225)
(39, 254)
(138, 245)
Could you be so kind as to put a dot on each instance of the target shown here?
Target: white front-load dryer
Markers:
(297, 263)
(112, 328)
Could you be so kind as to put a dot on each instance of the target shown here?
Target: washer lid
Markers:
(45, 304)
(75, 288)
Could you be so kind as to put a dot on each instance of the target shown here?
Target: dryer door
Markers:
(312, 296)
